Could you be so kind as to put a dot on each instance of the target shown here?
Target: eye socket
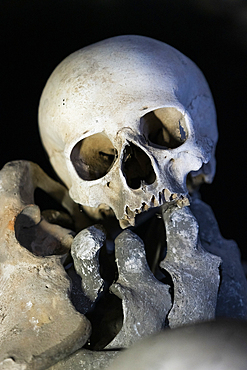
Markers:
(93, 156)
(165, 128)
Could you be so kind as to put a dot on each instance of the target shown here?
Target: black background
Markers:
(36, 35)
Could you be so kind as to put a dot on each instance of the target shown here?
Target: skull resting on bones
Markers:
(129, 125)
(124, 122)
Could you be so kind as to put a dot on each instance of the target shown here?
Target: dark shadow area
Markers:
(52, 211)
(137, 167)
(105, 313)
(153, 234)
(44, 201)
(106, 319)
(40, 238)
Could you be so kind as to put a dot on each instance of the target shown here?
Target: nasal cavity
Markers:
(137, 167)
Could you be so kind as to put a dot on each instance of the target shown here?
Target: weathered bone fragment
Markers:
(10, 364)
(195, 272)
(33, 290)
(232, 295)
(85, 253)
(146, 301)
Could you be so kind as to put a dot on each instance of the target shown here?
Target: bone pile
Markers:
(129, 126)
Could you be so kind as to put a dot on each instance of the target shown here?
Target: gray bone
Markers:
(85, 253)
(215, 345)
(146, 301)
(195, 272)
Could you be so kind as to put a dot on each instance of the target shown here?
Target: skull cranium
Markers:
(124, 121)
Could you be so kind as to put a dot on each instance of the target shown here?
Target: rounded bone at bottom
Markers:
(215, 345)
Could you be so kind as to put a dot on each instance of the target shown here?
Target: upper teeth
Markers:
(165, 196)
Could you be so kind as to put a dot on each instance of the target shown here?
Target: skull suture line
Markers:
(124, 122)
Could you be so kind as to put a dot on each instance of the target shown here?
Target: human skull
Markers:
(124, 121)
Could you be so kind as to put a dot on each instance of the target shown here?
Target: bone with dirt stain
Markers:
(34, 290)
